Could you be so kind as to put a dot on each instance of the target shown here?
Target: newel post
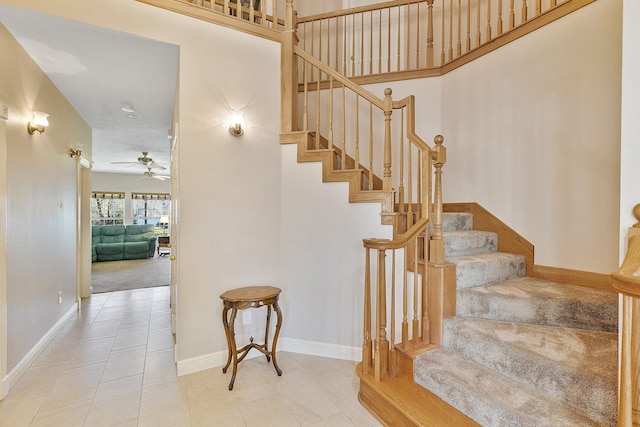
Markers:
(289, 79)
(439, 156)
(386, 162)
(628, 285)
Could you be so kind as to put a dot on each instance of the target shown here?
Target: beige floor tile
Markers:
(160, 339)
(336, 420)
(103, 329)
(59, 350)
(131, 337)
(19, 414)
(160, 306)
(74, 327)
(116, 402)
(308, 401)
(92, 352)
(160, 321)
(165, 404)
(110, 313)
(139, 305)
(36, 383)
(207, 413)
(268, 411)
(125, 363)
(74, 386)
(135, 318)
(67, 416)
(159, 366)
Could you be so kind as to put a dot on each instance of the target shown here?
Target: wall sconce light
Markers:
(74, 153)
(38, 123)
(235, 128)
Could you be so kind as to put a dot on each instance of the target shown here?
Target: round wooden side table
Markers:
(241, 299)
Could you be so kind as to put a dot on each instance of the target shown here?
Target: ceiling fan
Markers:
(145, 160)
(151, 174)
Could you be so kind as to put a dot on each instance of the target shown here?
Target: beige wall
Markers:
(533, 133)
(41, 201)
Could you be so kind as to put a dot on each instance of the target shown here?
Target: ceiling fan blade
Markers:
(156, 166)
(124, 163)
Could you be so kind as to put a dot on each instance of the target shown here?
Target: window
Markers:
(107, 208)
(147, 208)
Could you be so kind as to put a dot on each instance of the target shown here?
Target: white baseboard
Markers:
(291, 345)
(16, 373)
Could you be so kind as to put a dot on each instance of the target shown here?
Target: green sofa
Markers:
(118, 242)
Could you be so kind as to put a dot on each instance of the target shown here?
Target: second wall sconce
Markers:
(38, 123)
(235, 128)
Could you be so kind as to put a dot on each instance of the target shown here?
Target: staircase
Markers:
(521, 351)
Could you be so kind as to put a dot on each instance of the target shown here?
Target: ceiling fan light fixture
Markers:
(127, 108)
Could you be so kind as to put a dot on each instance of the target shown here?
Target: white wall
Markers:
(533, 133)
(41, 203)
(630, 152)
(128, 182)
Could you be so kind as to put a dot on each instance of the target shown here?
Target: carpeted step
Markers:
(576, 367)
(456, 221)
(543, 302)
(469, 242)
(480, 269)
(489, 398)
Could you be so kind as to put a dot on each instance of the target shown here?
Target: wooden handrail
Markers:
(628, 284)
(359, 9)
(339, 78)
(401, 241)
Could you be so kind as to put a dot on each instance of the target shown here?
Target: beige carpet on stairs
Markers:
(123, 275)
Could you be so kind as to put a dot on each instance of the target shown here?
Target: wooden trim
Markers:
(574, 277)
(402, 402)
(360, 9)
(204, 14)
(508, 240)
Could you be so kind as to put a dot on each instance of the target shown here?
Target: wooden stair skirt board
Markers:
(401, 402)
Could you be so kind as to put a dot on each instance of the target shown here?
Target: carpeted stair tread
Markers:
(574, 366)
(541, 301)
(481, 269)
(491, 399)
(456, 221)
(469, 242)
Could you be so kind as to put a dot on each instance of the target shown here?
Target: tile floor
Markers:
(112, 365)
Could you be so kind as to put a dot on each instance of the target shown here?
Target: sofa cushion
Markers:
(109, 251)
(136, 250)
(112, 234)
(95, 234)
(139, 232)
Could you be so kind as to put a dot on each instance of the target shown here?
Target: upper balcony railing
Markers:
(422, 37)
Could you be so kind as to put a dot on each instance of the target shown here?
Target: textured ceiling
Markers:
(100, 70)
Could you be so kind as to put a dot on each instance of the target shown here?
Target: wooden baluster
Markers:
(478, 35)
(274, 13)
(337, 44)
(344, 45)
(450, 30)
(353, 45)
(512, 15)
(380, 41)
(430, 52)
(362, 44)
(392, 326)
(499, 17)
(538, 7)
(415, 326)
(525, 12)
(370, 42)
(312, 42)
(366, 340)
(468, 26)
(407, 41)
(356, 165)
(371, 147)
(553, 3)
(330, 147)
(320, 49)
(459, 45)
(442, 40)
(436, 248)
(405, 302)
(388, 109)
(382, 344)
(226, 7)
(399, 41)
(488, 35)
(305, 117)
(252, 12)
(289, 73)
(343, 157)
(409, 182)
(425, 294)
(418, 35)
(418, 178)
(389, 40)
(401, 206)
(264, 17)
(318, 112)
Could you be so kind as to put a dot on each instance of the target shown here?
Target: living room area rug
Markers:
(109, 276)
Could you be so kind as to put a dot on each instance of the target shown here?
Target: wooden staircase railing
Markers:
(420, 38)
(371, 143)
(628, 285)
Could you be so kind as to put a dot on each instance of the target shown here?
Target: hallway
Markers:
(112, 365)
